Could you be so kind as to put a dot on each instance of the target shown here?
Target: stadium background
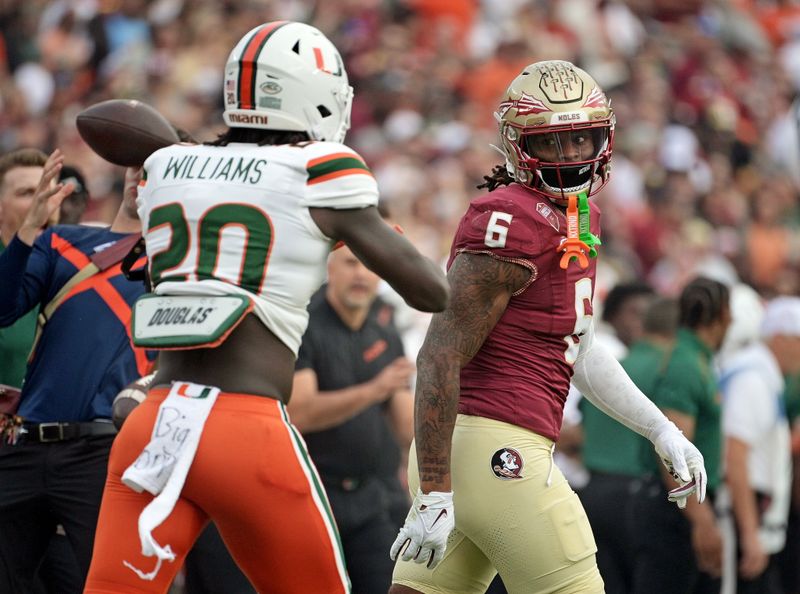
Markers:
(706, 169)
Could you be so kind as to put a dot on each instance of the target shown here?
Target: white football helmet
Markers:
(556, 130)
(288, 76)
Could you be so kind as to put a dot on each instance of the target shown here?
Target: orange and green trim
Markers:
(247, 63)
(332, 166)
(319, 495)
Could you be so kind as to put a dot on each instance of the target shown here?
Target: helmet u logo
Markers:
(320, 60)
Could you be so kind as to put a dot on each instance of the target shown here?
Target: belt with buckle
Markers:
(53, 432)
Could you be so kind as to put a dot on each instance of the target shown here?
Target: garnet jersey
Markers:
(521, 373)
(234, 219)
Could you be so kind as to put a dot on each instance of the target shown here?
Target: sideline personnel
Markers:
(352, 401)
(55, 472)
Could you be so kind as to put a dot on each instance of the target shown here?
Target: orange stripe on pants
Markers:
(249, 477)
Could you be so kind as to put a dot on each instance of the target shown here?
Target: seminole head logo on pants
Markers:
(507, 464)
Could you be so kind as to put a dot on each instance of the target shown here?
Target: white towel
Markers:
(162, 466)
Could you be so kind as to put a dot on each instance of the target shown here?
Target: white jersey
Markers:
(754, 411)
(235, 220)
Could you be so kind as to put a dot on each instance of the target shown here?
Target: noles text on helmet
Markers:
(287, 76)
(556, 130)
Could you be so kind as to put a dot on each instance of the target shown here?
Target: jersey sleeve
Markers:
(25, 272)
(498, 227)
(337, 177)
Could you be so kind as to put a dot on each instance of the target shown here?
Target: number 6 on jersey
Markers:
(496, 232)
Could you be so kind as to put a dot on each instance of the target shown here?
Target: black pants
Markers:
(665, 558)
(363, 515)
(210, 568)
(608, 500)
(769, 582)
(58, 571)
(399, 501)
(788, 560)
(43, 485)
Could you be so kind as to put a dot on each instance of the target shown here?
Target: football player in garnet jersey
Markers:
(238, 233)
(496, 365)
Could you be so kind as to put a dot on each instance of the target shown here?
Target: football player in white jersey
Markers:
(238, 232)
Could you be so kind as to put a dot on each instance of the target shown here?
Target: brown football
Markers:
(129, 398)
(125, 131)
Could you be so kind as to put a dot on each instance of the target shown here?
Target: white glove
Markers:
(684, 462)
(429, 523)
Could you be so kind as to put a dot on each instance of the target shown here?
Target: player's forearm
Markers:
(420, 282)
(435, 412)
(603, 381)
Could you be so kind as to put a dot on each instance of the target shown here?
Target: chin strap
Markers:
(580, 241)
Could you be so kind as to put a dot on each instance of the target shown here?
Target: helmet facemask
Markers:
(566, 160)
(557, 131)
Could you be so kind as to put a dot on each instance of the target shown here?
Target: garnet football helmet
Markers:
(288, 76)
(556, 130)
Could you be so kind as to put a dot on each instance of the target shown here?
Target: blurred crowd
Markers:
(706, 166)
(706, 169)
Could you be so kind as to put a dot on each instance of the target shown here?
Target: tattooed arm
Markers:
(481, 287)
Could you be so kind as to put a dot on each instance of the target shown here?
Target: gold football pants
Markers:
(515, 513)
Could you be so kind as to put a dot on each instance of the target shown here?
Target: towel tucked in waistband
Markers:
(162, 466)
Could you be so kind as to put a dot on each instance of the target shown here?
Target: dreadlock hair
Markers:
(183, 135)
(702, 302)
(499, 177)
(259, 137)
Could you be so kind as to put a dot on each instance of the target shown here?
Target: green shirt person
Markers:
(689, 389)
(15, 345)
(618, 458)
(642, 323)
(20, 172)
(688, 395)
(792, 396)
